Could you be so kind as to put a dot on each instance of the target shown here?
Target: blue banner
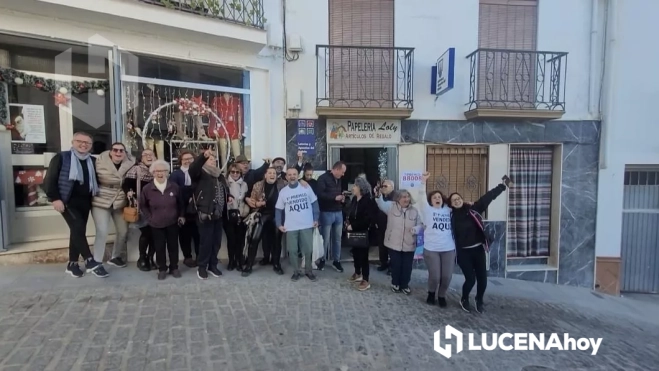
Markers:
(306, 137)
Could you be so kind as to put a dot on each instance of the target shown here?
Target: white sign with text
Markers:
(363, 131)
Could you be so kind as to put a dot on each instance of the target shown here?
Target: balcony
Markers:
(516, 84)
(245, 12)
(364, 82)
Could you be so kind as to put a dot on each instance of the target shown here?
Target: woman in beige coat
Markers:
(403, 224)
(234, 227)
(111, 166)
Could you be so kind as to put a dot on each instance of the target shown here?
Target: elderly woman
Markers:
(403, 224)
(359, 217)
(161, 203)
(111, 167)
(136, 179)
(234, 226)
(188, 232)
(209, 200)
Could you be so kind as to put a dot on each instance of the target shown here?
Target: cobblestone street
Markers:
(130, 321)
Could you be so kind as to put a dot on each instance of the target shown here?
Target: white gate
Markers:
(640, 231)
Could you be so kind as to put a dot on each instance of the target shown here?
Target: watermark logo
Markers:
(91, 109)
(510, 341)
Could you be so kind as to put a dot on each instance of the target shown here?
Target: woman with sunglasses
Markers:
(234, 227)
(108, 204)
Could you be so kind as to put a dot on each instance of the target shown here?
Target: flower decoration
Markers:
(194, 106)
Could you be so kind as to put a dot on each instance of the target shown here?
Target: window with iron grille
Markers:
(357, 72)
(461, 169)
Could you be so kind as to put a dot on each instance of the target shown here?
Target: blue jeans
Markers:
(331, 227)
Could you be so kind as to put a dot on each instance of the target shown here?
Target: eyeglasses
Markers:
(83, 142)
(118, 150)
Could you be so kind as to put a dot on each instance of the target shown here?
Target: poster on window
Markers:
(27, 123)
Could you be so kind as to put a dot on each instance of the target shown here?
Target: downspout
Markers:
(594, 78)
(609, 80)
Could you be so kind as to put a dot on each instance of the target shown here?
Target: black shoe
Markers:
(464, 303)
(278, 270)
(431, 298)
(190, 263)
(321, 264)
(246, 272)
(74, 270)
(311, 277)
(264, 261)
(239, 268)
(395, 288)
(383, 267)
(202, 273)
(143, 264)
(442, 302)
(162, 275)
(215, 272)
(96, 268)
(295, 277)
(175, 273)
(337, 265)
(480, 307)
(406, 291)
(231, 266)
(154, 265)
(117, 262)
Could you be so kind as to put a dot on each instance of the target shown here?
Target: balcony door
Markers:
(362, 60)
(508, 78)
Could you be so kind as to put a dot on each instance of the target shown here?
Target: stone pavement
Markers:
(131, 321)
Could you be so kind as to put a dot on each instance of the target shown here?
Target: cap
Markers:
(278, 159)
(241, 158)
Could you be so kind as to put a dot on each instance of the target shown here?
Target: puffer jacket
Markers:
(238, 190)
(110, 194)
(400, 223)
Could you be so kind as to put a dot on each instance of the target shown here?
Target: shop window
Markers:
(171, 129)
(29, 190)
(461, 169)
(92, 114)
(34, 121)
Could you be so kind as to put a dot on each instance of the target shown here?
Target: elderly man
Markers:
(70, 186)
(296, 216)
(388, 194)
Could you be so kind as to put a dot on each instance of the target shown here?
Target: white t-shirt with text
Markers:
(296, 203)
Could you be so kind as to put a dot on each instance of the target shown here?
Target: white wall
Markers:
(633, 130)
(431, 27)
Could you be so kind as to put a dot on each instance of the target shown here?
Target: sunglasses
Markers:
(118, 150)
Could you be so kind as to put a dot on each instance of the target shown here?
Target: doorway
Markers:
(376, 162)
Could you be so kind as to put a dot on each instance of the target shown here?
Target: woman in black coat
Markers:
(471, 242)
(359, 218)
(209, 204)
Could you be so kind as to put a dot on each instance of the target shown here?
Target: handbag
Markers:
(132, 211)
(356, 239)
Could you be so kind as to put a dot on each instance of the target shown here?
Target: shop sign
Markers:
(363, 131)
(306, 137)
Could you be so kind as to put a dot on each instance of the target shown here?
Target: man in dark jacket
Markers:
(388, 194)
(188, 233)
(331, 200)
(70, 185)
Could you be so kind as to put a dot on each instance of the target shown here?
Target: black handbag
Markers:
(356, 239)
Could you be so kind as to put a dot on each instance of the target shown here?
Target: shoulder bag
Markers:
(132, 211)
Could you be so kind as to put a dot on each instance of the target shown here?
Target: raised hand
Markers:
(425, 177)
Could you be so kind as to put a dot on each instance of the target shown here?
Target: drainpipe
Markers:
(608, 84)
(594, 78)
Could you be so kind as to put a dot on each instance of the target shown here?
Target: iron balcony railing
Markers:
(246, 12)
(517, 79)
(364, 77)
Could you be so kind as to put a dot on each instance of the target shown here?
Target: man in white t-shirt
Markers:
(296, 215)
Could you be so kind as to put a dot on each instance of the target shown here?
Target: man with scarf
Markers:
(209, 200)
(188, 232)
(70, 185)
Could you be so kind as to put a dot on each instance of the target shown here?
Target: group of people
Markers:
(267, 206)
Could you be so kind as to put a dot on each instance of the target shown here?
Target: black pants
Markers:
(146, 247)
(165, 241)
(271, 237)
(235, 241)
(360, 257)
(382, 249)
(187, 235)
(76, 216)
(210, 234)
(401, 267)
(473, 264)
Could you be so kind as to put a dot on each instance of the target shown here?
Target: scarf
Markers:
(212, 171)
(188, 180)
(145, 174)
(76, 174)
(161, 186)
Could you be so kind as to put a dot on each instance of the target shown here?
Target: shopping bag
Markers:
(318, 246)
